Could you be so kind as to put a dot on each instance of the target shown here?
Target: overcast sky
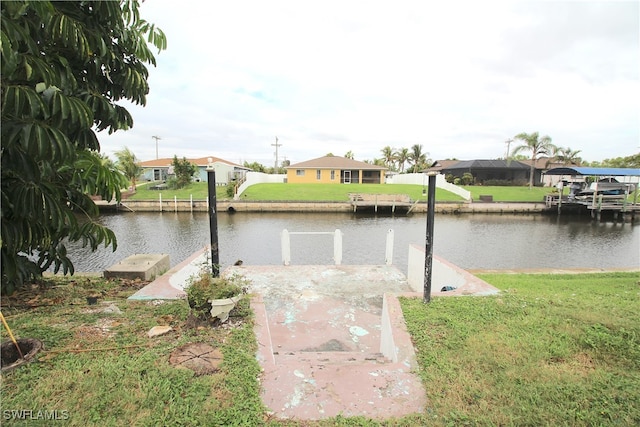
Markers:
(458, 77)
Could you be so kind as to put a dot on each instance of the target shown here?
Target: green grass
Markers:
(336, 192)
(509, 194)
(125, 376)
(198, 190)
(340, 193)
(548, 350)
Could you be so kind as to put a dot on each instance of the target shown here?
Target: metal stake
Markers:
(428, 260)
(213, 223)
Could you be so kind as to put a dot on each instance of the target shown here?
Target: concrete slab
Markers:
(139, 266)
(331, 339)
(171, 284)
(319, 330)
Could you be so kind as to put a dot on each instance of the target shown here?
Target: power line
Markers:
(156, 138)
(276, 145)
(508, 142)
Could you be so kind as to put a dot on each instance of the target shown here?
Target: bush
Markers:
(231, 189)
(204, 287)
(467, 179)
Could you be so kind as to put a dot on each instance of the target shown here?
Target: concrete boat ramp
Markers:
(332, 338)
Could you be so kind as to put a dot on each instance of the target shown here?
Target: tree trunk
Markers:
(531, 172)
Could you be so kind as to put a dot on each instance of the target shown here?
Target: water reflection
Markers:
(471, 241)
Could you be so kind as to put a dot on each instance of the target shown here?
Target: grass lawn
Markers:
(198, 190)
(549, 350)
(337, 192)
(340, 193)
(509, 194)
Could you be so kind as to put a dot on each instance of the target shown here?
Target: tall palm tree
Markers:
(417, 158)
(402, 156)
(537, 145)
(388, 157)
(349, 155)
(128, 164)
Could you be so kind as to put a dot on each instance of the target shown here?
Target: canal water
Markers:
(473, 241)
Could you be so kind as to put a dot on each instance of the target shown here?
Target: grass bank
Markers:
(549, 350)
(340, 193)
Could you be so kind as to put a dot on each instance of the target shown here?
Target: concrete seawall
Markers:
(262, 206)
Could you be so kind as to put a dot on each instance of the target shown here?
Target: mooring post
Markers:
(388, 254)
(285, 247)
(428, 259)
(337, 246)
(213, 221)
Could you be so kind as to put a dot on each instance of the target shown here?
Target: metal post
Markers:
(285, 246)
(428, 260)
(213, 222)
(337, 247)
(388, 255)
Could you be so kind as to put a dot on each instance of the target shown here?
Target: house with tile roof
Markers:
(226, 171)
(335, 170)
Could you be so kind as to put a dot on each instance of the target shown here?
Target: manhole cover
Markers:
(199, 357)
(10, 358)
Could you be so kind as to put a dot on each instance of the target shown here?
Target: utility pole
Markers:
(156, 138)
(276, 145)
(508, 142)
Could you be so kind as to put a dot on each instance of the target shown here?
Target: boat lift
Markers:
(612, 196)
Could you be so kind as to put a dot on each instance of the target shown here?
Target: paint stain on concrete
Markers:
(357, 332)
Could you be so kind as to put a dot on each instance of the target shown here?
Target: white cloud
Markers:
(458, 77)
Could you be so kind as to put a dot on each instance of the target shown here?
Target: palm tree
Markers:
(349, 155)
(402, 156)
(567, 156)
(128, 164)
(418, 158)
(537, 145)
(388, 157)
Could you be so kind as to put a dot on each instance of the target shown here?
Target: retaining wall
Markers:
(254, 206)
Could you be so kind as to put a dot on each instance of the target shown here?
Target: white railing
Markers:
(285, 239)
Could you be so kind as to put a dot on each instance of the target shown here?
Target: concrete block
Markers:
(142, 266)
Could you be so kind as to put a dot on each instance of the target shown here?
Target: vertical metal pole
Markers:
(285, 246)
(428, 260)
(388, 255)
(337, 247)
(213, 223)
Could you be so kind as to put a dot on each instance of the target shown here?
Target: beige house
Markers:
(335, 170)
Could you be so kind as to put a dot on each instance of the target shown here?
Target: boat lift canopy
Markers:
(575, 171)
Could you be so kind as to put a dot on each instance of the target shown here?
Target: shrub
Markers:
(203, 287)
(231, 189)
(467, 179)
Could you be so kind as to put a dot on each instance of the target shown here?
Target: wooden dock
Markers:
(380, 201)
(597, 205)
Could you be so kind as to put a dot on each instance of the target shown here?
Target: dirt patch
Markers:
(199, 357)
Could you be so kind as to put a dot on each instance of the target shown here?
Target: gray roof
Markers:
(334, 162)
(488, 164)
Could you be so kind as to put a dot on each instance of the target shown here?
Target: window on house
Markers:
(318, 174)
(333, 175)
(300, 172)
